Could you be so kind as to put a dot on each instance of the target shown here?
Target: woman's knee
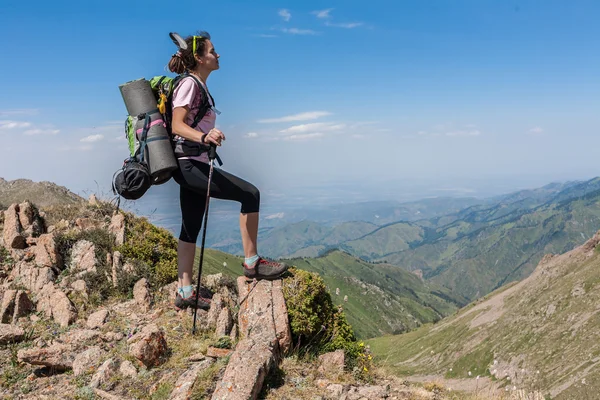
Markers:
(251, 201)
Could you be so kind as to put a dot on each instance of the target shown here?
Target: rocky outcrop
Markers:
(83, 257)
(262, 340)
(55, 304)
(117, 228)
(12, 234)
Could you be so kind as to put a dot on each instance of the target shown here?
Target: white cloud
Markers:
(472, 132)
(346, 25)
(251, 135)
(7, 124)
(41, 132)
(92, 138)
(536, 130)
(317, 126)
(285, 14)
(19, 111)
(322, 13)
(305, 136)
(296, 31)
(305, 116)
(265, 35)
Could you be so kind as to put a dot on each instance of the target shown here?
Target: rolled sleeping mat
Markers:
(159, 151)
(139, 99)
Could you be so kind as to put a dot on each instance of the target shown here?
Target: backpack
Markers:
(163, 87)
(134, 179)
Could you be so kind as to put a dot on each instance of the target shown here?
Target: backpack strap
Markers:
(204, 105)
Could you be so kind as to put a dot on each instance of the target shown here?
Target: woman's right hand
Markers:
(214, 136)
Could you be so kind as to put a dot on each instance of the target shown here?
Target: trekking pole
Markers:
(212, 154)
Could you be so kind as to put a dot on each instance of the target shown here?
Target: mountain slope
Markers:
(541, 333)
(487, 248)
(42, 194)
(381, 298)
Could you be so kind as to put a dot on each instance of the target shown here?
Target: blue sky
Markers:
(444, 93)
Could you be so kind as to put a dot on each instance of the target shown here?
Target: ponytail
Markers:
(176, 64)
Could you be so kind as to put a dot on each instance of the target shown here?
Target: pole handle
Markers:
(212, 153)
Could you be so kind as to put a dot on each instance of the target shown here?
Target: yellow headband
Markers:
(194, 48)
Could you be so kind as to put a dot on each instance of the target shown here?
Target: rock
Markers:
(196, 357)
(246, 370)
(215, 352)
(257, 352)
(128, 369)
(80, 337)
(216, 305)
(84, 223)
(117, 267)
(58, 356)
(87, 361)
(336, 390)
(368, 392)
(141, 294)
(117, 227)
(22, 306)
(13, 239)
(97, 319)
(128, 267)
(63, 311)
(224, 323)
(8, 306)
(93, 200)
(107, 396)
(55, 303)
(332, 362)
(26, 214)
(322, 383)
(233, 335)
(32, 277)
(183, 386)
(83, 257)
(104, 373)
(280, 315)
(113, 336)
(81, 287)
(255, 316)
(149, 346)
(214, 281)
(45, 251)
(10, 334)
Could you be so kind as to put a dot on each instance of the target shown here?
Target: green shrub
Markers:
(5, 258)
(317, 325)
(153, 246)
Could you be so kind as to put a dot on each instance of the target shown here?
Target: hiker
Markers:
(198, 60)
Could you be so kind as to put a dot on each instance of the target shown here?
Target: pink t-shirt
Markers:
(189, 94)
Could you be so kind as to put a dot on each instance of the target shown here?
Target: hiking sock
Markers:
(250, 261)
(185, 291)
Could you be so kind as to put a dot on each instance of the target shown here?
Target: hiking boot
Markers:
(204, 301)
(264, 269)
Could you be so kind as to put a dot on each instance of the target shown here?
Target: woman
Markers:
(198, 60)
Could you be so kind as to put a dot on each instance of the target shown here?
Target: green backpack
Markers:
(163, 87)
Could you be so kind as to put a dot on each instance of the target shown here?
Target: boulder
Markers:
(12, 234)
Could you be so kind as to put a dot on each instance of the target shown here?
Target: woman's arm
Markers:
(179, 127)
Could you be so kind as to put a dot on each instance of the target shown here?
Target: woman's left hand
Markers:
(214, 136)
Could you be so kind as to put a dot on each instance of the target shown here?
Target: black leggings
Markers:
(192, 177)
